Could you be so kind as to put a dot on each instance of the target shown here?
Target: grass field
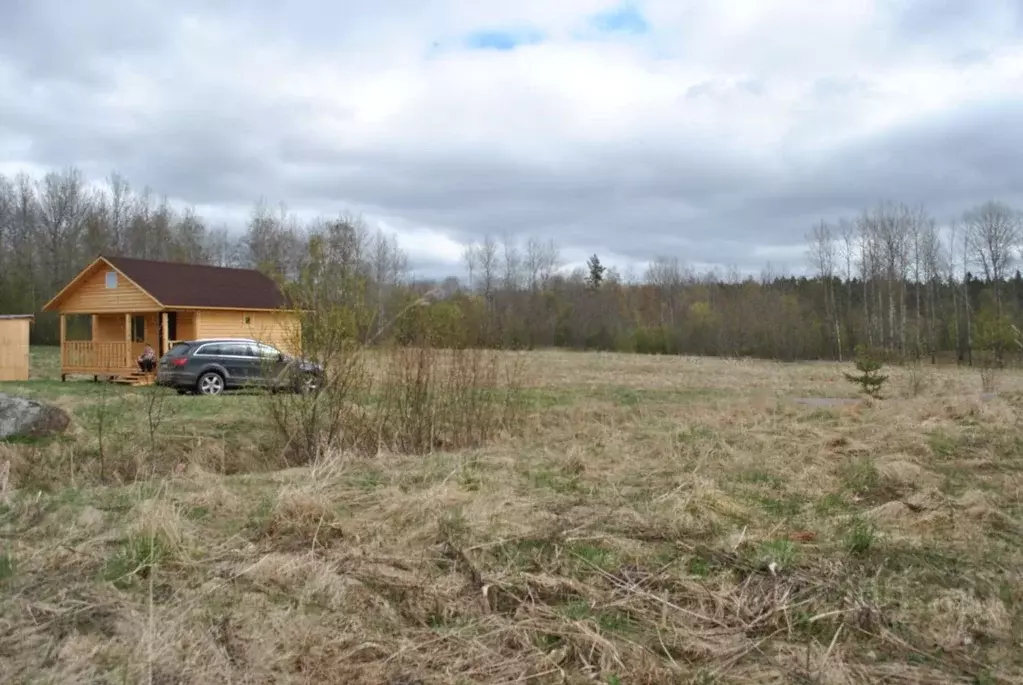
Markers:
(662, 520)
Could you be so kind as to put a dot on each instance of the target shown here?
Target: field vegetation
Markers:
(641, 520)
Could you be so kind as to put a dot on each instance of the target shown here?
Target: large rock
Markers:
(22, 418)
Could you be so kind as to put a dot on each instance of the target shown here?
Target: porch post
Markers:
(63, 354)
(127, 341)
(166, 334)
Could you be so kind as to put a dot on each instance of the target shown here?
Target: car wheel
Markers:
(210, 383)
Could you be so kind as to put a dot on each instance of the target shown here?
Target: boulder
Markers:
(23, 418)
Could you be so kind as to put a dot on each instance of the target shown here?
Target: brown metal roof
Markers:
(175, 284)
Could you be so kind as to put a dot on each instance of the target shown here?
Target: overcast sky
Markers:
(711, 130)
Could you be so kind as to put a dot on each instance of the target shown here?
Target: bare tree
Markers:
(120, 212)
(470, 255)
(187, 243)
(885, 259)
(220, 249)
(275, 241)
(389, 264)
(992, 232)
(512, 276)
(550, 262)
(933, 260)
(64, 205)
(920, 233)
(822, 257)
(137, 241)
(7, 203)
(666, 274)
(847, 233)
(869, 274)
(967, 304)
(487, 254)
(534, 260)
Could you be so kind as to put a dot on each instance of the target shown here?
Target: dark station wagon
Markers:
(212, 365)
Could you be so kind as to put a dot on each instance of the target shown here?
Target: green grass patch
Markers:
(135, 558)
(554, 479)
(595, 557)
(7, 565)
(760, 477)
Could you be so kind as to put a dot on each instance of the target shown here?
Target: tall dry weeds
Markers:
(411, 398)
(445, 399)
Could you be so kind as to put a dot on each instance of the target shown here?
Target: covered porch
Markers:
(108, 345)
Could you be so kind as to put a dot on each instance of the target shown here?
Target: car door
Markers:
(239, 359)
(272, 364)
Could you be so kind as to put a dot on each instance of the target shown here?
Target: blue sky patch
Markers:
(496, 39)
(625, 18)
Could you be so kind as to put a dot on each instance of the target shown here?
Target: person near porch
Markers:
(147, 360)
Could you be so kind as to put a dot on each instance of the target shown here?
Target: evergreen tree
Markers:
(597, 269)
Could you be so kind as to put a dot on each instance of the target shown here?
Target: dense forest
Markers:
(893, 277)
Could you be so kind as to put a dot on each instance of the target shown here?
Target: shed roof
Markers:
(9, 317)
(176, 284)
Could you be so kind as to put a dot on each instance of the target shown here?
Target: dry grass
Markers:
(664, 520)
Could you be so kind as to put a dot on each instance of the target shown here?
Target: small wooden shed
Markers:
(14, 357)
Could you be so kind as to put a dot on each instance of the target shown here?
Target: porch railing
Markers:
(87, 355)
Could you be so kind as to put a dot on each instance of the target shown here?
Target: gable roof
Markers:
(196, 286)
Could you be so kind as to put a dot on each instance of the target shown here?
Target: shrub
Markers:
(654, 340)
(429, 398)
(916, 379)
(994, 336)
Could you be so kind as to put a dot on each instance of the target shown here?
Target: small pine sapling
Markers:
(869, 379)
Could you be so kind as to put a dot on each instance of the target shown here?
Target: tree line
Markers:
(893, 278)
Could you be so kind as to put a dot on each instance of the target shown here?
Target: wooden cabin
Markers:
(132, 302)
(14, 350)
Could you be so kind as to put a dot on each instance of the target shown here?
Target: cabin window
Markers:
(111, 279)
(138, 328)
(248, 320)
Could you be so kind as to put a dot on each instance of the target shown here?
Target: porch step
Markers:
(136, 379)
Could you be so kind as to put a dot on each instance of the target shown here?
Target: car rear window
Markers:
(179, 350)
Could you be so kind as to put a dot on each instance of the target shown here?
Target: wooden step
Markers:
(136, 379)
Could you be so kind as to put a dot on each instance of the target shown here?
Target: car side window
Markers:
(268, 352)
(234, 350)
(210, 350)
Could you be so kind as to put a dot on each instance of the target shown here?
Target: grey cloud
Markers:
(716, 88)
(939, 17)
(76, 42)
(946, 163)
(694, 201)
(839, 88)
(971, 57)
(957, 27)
